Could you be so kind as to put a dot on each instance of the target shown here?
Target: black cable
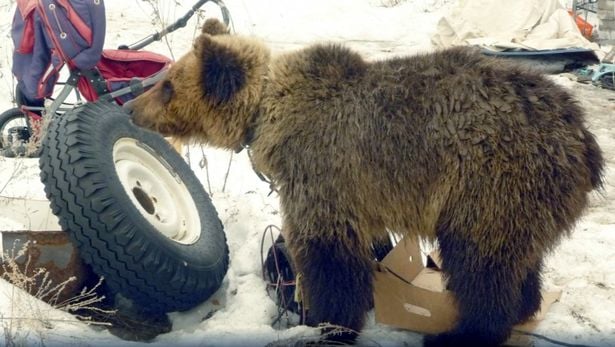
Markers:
(548, 339)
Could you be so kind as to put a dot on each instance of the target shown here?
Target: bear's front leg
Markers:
(337, 276)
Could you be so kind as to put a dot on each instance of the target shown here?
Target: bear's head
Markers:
(211, 93)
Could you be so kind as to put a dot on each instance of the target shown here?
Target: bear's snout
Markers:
(140, 111)
(128, 107)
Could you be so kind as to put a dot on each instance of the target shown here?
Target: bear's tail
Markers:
(593, 159)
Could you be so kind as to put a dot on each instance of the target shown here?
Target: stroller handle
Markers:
(136, 87)
(179, 23)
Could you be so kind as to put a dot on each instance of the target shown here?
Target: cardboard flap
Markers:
(404, 260)
(434, 260)
(406, 306)
(431, 280)
(548, 299)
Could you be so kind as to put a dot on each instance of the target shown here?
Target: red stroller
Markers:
(50, 35)
(129, 202)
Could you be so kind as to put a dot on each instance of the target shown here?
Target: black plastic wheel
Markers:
(11, 118)
(279, 272)
(134, 208)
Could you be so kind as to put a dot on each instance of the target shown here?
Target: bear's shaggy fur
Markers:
(491, 160)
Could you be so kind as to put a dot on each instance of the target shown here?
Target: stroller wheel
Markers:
(134, 208)
(13, 126)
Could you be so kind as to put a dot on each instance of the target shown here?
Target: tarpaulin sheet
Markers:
(503, 24)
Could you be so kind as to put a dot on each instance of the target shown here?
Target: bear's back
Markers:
(445, 103)
(403, 130)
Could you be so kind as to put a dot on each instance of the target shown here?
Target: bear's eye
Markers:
(167, 92)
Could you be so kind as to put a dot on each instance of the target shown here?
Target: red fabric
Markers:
(128, 64)
(27, 44)
(118, 65)
(32, 115)
(50, 77)
(86, 89)
(26, 8)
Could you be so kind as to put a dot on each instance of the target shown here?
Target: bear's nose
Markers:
(129, 107)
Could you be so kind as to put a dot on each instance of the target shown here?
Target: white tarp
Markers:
(505, 24)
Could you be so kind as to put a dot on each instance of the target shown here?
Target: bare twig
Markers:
(203, 163)
(228, 170)
(158, 20)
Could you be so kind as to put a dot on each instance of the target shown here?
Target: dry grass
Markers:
(38, 130)
(28, 316)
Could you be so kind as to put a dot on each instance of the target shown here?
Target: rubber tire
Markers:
(6, 117)
(137, 261)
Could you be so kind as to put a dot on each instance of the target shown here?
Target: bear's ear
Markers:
(222, 71)
(213, 26)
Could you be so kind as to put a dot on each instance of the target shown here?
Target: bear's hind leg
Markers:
(337, 277)
(487, 291)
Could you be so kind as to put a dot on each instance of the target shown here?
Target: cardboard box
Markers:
(410, 295)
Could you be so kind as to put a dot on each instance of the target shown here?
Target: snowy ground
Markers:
(582, 267)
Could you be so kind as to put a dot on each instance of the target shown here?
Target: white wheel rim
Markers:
(156, 191)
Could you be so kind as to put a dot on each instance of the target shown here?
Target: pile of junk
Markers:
(544, 34)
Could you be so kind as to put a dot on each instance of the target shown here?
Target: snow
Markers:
(241, 312)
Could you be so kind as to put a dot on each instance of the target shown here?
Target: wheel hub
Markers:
(13, 131)
(156, 191)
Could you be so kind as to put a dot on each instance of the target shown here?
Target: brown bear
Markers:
(489, 159)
